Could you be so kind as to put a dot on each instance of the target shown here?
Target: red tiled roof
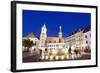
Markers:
(53, 39)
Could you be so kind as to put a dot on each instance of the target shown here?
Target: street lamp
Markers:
(69, 51)
(51, 57)
(46, 57)
(43, 57)
(62, 57)
(56, 57)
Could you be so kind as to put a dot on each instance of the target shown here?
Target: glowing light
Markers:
(56, 57)
(67, 56)
(43, 57)
(51, 57)
(46, 57)
(33, 48)
(73, 56)
(62, 57)
(78, 55)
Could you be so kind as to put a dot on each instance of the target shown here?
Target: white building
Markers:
(51, 44)
(56, 43)
(75, 40)
(55, 46)
(87, 39)
(70, 42)
(43, 37)
(80, 40)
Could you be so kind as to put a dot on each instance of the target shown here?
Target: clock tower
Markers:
(43, 36)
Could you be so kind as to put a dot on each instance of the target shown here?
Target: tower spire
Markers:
(60, 28)
(43, 36)
(60, 34)
(44, 26)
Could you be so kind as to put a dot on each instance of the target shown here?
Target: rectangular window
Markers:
(85, 36)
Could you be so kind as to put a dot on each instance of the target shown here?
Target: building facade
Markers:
(87, 39)
(53, 44)
(75, 40)
(32, 37)
(43, 37)
(78, 40)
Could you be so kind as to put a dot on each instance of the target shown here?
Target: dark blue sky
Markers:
(70, 21)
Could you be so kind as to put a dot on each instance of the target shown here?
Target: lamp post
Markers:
(69, 50)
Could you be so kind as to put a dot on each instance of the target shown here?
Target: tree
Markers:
(27, 43)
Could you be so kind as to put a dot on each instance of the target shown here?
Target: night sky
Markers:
(70, 21)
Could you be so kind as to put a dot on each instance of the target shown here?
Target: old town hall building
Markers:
(51, 43)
